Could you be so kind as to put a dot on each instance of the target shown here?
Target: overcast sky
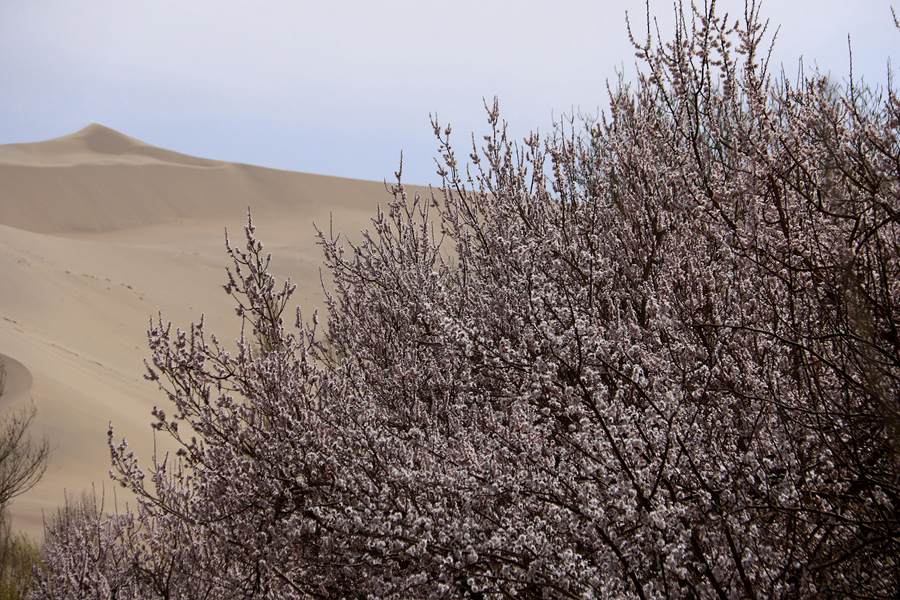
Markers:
(342, 87)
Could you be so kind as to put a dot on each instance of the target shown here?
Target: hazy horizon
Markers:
(341, 90)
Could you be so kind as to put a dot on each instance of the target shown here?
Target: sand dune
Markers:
(98, 180)
(17, 381)
(99, 231)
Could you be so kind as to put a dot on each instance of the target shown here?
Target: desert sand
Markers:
(99, 232)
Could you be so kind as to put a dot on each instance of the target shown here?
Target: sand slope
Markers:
(99, 231)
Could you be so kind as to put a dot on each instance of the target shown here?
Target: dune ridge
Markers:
(98, 180)
(95, 144)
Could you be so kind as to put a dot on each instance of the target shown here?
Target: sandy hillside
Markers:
(98, 231)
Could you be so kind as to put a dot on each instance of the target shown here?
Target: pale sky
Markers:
(342, 87)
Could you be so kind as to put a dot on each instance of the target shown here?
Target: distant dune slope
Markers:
(98, 180)
(99, 231)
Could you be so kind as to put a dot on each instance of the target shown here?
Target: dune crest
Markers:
(99, 180)
(102, 139)
(95, 144)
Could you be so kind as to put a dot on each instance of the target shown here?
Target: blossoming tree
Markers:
(653, 355)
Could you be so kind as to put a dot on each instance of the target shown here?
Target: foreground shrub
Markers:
(90, 554)
(658, 358)
(23, 460)
(18, 556)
